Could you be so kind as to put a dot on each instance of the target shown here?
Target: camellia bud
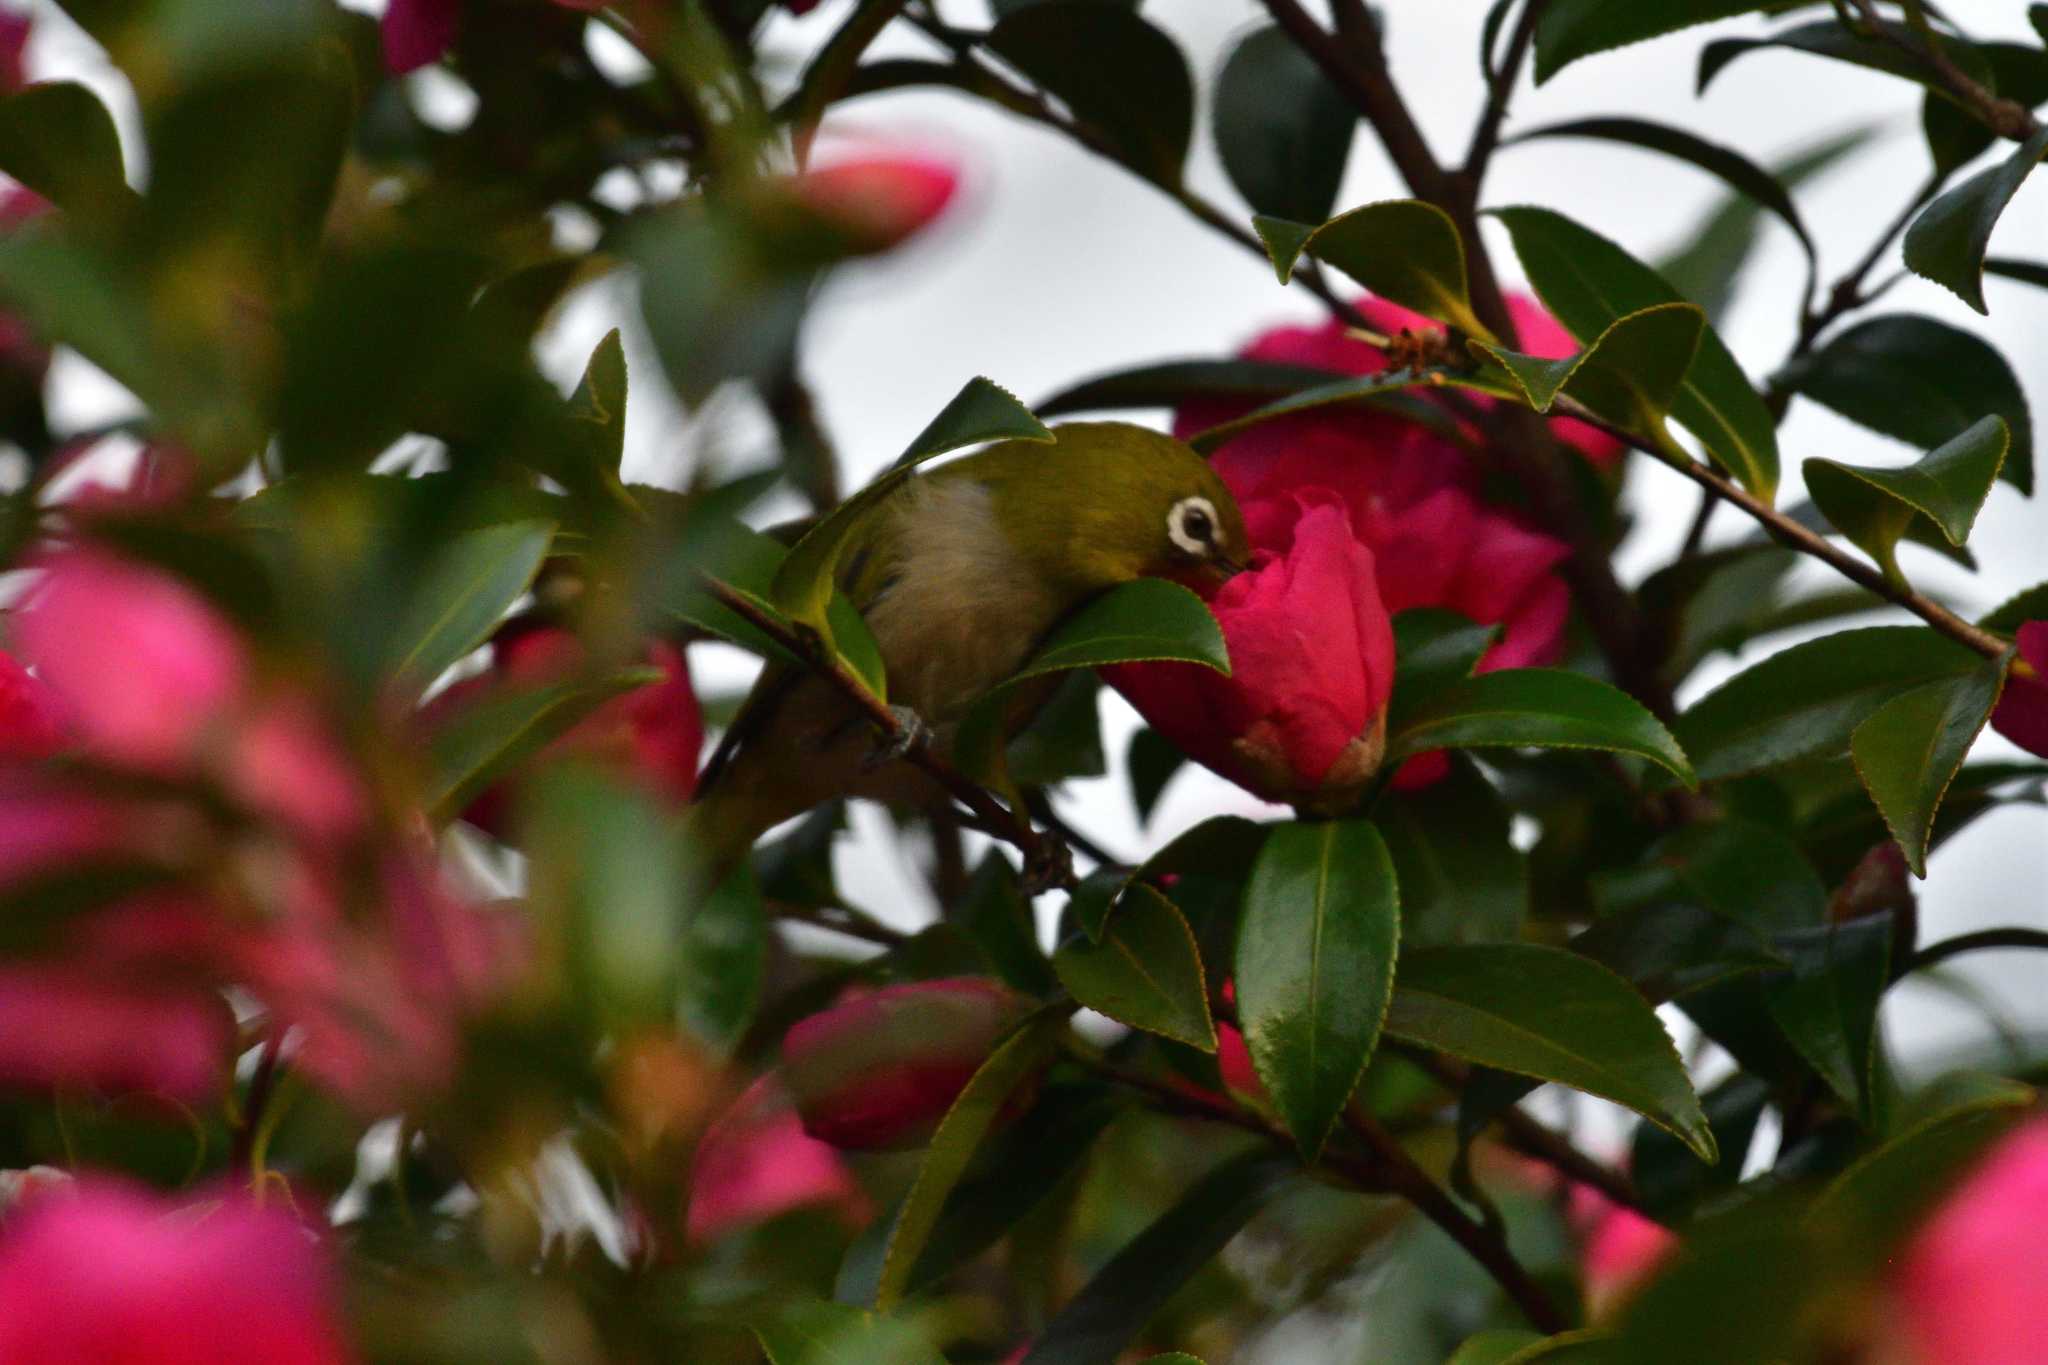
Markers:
(879, 200)
(2022, 714)
(878, 1071)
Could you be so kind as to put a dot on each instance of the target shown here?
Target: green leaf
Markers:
(1734, 169)
(1552, 1015)
(1910, 749)
(982, 411)
(1919, 381)
(1494, 1346)
(1747, 873)
(1462, 880)
(598, 407)
(1949, 239)
(953, 1146)
(1826, 38)
(1938, 495)
(725, 954)
(2009, 615)
(1827, 1006)
(1122, 78)
(1382, 389)
(1064, 740)
(1805, 701)
(1589, 283)
(1146, 972)
(1630, 375)
(1587, 1346)
(1670, 1179)
(58, 139)
(1956, 136)
(1282, 130)
(1404, 250)
(1152, 760)
(1173, 382)
(1114, 1306)
(1221, 846)
(1315, 965)
(1571, 29)
(489, 740)
(821, 1333)
(996, 915)
(464, 593)
(1539, 708)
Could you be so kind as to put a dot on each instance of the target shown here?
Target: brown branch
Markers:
(2007, 118)
(1045, 861)
(1486, 134)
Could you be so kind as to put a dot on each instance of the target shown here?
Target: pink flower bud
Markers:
(2022, 714)
(878, 1071)
(31, 718)
(1971, 1286)
(880, 200)
(1619, 1250)
(756, 1162)
(114, 1273)
(1302, 715)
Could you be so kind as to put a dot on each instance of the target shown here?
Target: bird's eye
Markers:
(1192, 525)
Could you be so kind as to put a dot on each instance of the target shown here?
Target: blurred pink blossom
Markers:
(114, 1275)
(66, 1025)
(1619, 1249)
(878, 199)
(756, 1161)
(2022, 714)
(31, 717)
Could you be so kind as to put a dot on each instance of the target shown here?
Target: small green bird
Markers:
(960, 576)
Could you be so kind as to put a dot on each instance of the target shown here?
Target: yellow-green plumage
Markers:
(960, 576)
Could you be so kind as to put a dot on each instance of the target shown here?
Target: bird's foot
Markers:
(1047, 865)
(911, 733)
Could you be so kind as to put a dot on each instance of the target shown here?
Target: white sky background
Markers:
(1054, 265)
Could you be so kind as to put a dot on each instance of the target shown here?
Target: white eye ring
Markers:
(1203, 513)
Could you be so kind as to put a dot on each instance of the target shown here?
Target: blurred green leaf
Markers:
(1571, 29)
(1404, 250)
(724, 961)
(1125, 80)
(1703, 1306)
(598, 407)
(1537, 708)
(1145, 972)
(1220, 846)
(1113, 1307)
(1153, 760)
(1827, 1006)
(1064, 740)
(821, 1333)
(1806, 701)
(1462, 880)
(2017, 610)
(1670, 1179)
(1589, 283)
(490, 739)
(1283, 131)
(1956, 136)
(1919, 381)
(58, 139)
(959, 1137)
(1552, 1015)
(999, 919)
(465, 591)
(1948, 241)
(1746, 872)
(1827, 38)
(1943, 490)
(1383, 389)
(831, 71)
(1173, 382)
(1838, 834)
(1909, 750)
(1315, 963)
(1630, 375)
(1587, 1346)
(1494, 1346)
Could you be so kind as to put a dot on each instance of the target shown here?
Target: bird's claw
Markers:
(1047, 865)
(911, 733)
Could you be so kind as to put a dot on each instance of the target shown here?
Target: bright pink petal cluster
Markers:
(880, 1069)
(1619, 1250)
(756, 1161)
(110, 1273)
(2022, 714)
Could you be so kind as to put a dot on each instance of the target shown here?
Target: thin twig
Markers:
(2007, 118)
(840, 919)
(1486, 133)
(1935, 953)
(1696, 534)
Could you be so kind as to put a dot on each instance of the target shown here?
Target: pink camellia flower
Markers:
(31, 717)
(418, 32)
(877, 200)
(1619, 1250)
(144, 664)
(116, 1274)
(652, 735)
(879, 1070)
(1971, 1286)
(756, 1161)
(2022, 714)
(1302, 715)
(62, 1025)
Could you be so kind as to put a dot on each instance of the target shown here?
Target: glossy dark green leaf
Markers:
(58, 139)
(2009, 615)
(1827, 38)
(1551, 1015)
(1123, 78)
(1630, 375)
(489, 740)
(1384, 390)
(1571, 29)
(464, 593)
(1153, 760)
(959, 1137)
(1403, 250)
(1589, 283)
(1827, 1005)
(1147, 619)
(1919, 381)
(1956, 136)
(1806, 701)
(1748, 873)
(1113, 1307)
(724, 958)
(1942, 491)
(1838, 834)
(1671, 949)
(1670, 1179)
(1948, 241)
(1910, 749)
(1222, 846)
(1537, 708)
(1282, 130)
(821, 1333)
(1173, 382)
(1145, 972)
(1462, 880)
(1315, 966)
